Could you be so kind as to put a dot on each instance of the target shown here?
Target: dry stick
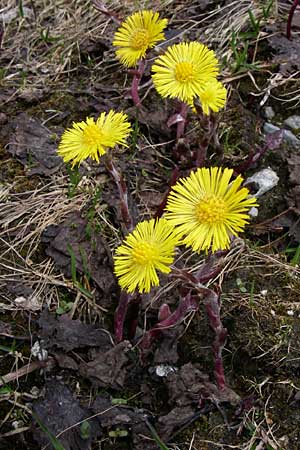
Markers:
(49, 364)
(102, 8)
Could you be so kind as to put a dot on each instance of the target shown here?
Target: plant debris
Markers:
(67, 334)
(60, 412)
(34, 145)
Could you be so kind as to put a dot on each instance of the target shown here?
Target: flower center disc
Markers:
(211, 210)
(92, 134)
(145, 253)
(139, 39)
(184, 71)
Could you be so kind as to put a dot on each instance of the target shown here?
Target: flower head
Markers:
(212, 96)
(148, 249)
(207, 209)
(183, 70)
(90, 139)
(137, 34)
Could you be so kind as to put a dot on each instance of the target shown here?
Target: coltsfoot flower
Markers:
(138, 33)
(183, 70)
(213, 96)
(206, 208)
(148, 249)
(91, 139)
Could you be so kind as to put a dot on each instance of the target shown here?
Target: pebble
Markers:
(270, 128)
(293, 122)
(288, 136)
(268, 112)
(163, 370)
(265, 180)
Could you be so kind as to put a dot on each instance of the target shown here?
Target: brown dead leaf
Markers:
(108, 369)
(33, 144)
(67, 334)
(59, 410)
(188, 386)
(89, 250)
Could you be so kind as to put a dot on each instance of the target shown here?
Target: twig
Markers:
(102, 8)
(49, 364)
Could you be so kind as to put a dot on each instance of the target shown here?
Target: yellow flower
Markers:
(206, 209)
(212, 96)
(148, 249)
(137, 34)
(90, 139)
(183, 70)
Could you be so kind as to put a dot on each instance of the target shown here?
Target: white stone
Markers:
(163, 370)
(293, 122)
(265, 179)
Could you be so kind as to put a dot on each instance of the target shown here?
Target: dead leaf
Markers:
(189, 386)
(33, 144)
(59, 410)
(89, 250)
(108, 369)
(62, 332)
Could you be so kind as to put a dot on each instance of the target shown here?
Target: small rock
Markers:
(268, 112)
(253, 212)
(289, 137)
(293, 122)
(10, 14)
(164, 370)
(270, 128)
(265, 180)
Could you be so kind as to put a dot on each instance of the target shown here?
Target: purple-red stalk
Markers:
(137, 75)
(186, 305)
(273, 141)
(122, 189)
(213, 309)
(290, 18)
(120, 315)
(121, 311)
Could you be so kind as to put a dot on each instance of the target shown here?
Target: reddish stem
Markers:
(186, 305)
(212, 306)
(135, 83)
(290, 18)
(181, 123)
(122, 189)
(120, 315)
